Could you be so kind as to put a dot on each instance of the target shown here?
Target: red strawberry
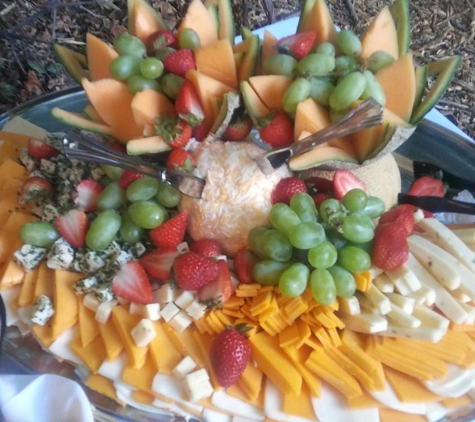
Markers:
(180, 159)
(427, 186)
(193, 271)
(132, 283)
(35, 188)
(179, 62)
(244, 262)
(73, 227)
(207, 247)
(413, 209)
(319, 184)
(229, 354)
(201, 131)
(188, 105)
(401, 215)
(318, 198)
(159, 39)
(220, 289)
(127, 177)
(87, 192)
(344, 181)
(298, 45)
(286, 188)
(238, 129)
(159, 263)
(277, 130)
(390, 248)
(174, 131)
(171, 233)
(39, 149)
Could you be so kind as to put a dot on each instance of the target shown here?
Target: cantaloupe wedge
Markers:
(399, 84)
(319, 20)
(268, 45)
(380, 35)
(75, 63)
(149, 104)
(217, 61)
(143, 19)
(254, 105)
(238, 58)
(112, 100)
(198, 18)
(270, 89)
(304, 14)
(251, 58)
(99, 58)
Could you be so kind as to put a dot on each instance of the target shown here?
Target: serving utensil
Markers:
(368, 114)
(79, 146)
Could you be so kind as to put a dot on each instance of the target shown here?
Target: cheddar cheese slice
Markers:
(103, 386)
(141, 378)
(162, 351)
(93, 354)
(110, 339)
(11, 169)
(27, 292)
(44, 282)
(88, 326)
(299, 404)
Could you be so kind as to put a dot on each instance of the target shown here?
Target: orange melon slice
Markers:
(270, 89)
(380, 35)
(398, 81)
(238, 59)
(99, 58)
(198, 18)
(112, 100)
(217, 61)
(320, 21)
(143, 19)
(149, 104)
(268, 48)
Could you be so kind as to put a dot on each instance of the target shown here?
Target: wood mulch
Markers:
(28, 68)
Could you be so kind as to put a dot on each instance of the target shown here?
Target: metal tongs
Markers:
(368, 114)
(82, 147)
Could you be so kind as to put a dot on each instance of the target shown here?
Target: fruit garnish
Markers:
(132, 283)
(390, 248)
(401, 215)
(193, 271)
(127, 177)
(35, 188)
(174, 131)
(238, 129)
(201, 131)
(344, 181)
(297, 45)
(286, 188)
(244, 262)
(41, 150)
(170, 233)
(220, 289)
(179, 62)
(277, 130)
(427, 186)
(207, 247)
(159, 263)
(160, 39)
(180, 159)
(188, 105)
(87, 193)
(73, 227)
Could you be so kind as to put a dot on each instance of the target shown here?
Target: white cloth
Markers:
(43, 398)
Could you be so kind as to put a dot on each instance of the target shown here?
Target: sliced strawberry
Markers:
(239, 128)
(180, 159)
(201, 131)
(171, 233)
(87, 192)
(413, 209)
(35, 188)
(159, 263)
(286, 188)
(220, 289)
(319, 184)
(174, 131)
(298, 45)
(401, 215)
(41, 150)
(318, 198)
(344, 181)
(127, 177)
(179, 62)
(244, 262)
(390, 249)
(132, 283)
(207, 247)
(277, 130)
(427, 186)
(73, 227)
(193, 271)
(188, 105)
(159, 39)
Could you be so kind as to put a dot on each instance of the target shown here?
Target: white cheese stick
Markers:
(470, 312)
(432, 335)
(375, 271)
(381, 302)
(467, 280)
(430, 318)
(366, 304)
(435, 260)
(404, 273)
(350, 305)
(424, 296)
(400, 286)
(404, 302)
(460, 295)
(365, 322)
(384, 283)
(398, 316)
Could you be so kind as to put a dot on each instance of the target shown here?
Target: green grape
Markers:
(329, 208)
(137, 83)
(188, 38)
(280, 64)
(355, 200)
(323, 256)
(345, 65)
(348, 90)
(103, 230)
(283, 218)
(323, 287)
(357, 228)
(171, 84)
(304, 206)
(354, 259)
(335, 116)
(167, 195)
(316, 64)
(129, 231)
(348, 43)
(293, 281)
(147, 214)
(307, 235)
(326, 48)
(111, 198)
(123, 67)
(298, 91)
(320, 90)
(374, 207)
(151, 68)
(335, 237)
(366, 246)
(39, 233)
(378, 60)
(163, 52)
(345, 282)
(276, 246)
(255, 240)
(142, 189)
(128, 45)
(373, 89)
(268, 272)
(112, 172)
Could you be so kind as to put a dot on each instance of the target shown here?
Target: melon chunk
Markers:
(149, 104)
(99, 58)
(144, 20)
(319, 20)
(270, 89)
(75, 63)
(254, 105)
(380, 35)
(398, 81)
(268, 48)
(198, 18)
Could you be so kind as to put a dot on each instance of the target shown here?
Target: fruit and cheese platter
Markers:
(306, 294)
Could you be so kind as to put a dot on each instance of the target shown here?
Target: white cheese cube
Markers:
(143, 333)
(185, 299)
(47, 167)
(84, 285)
(136, 309)
(137, 249)
(166, 293)
(103, 292)
(184, 367)
(50, 212)
(181, 321)
(152, 311)
(200, 391)
(27, 160)
(104, 311)
(91, 302)
(93, 261)
(29, 257)
(169, 311)
(60, 256)
(196, 310)
(350, 305)
(42, 310)
(418, 216)
(113, 249)
(196, 377)
(183, 247)
(123, 257)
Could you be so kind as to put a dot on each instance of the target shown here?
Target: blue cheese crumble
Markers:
(42, 310)
(29, 257)
(60, 256)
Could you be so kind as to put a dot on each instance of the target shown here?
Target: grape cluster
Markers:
(320, 248)
(335, 81)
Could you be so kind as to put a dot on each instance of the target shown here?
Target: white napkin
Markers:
(43, 398)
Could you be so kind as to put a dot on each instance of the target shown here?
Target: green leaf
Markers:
(37, 66)
(9, 91)
(55, 68)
